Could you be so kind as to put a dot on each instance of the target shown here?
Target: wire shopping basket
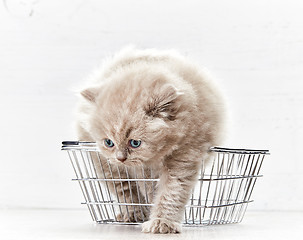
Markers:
(221, 195)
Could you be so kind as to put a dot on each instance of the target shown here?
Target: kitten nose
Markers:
(121, 156)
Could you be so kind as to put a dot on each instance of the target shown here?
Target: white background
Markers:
(254, 48)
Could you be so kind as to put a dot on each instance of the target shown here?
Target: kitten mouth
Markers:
(127, 162)
(132, 161)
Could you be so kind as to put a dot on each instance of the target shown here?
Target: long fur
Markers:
(167, 102)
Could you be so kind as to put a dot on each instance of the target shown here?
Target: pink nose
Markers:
(121, 156)
(122, 159)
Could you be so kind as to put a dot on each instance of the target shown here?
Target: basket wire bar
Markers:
(221, 194)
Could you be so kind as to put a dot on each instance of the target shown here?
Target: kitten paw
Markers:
(133, 216)
(161, 225)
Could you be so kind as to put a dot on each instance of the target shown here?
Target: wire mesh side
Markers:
(119, 194)
(224, 189)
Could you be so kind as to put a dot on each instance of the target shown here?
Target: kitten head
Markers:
(133, 119)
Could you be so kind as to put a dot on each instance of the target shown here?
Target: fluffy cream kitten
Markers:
(158, 109)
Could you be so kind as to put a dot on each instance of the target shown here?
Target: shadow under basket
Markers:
(220, 196)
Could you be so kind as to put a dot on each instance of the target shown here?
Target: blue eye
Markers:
(134, 143)
(108, 143)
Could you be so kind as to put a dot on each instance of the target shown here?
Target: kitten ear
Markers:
(164, 102)
(90, 94)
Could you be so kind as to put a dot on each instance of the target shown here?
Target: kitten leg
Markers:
(176, 182)
(128, 193)
(124, 192)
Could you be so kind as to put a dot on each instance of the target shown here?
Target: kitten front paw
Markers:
(139, 215)
(161, 225)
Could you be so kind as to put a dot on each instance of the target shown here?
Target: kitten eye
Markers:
(108, 143)
(134, 143)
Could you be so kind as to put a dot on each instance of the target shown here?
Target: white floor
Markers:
(76, 224)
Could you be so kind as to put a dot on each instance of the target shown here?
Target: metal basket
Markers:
(220, 196)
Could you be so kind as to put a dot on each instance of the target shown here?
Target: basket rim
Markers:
(77, 145)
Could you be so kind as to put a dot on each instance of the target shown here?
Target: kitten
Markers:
(158, 109)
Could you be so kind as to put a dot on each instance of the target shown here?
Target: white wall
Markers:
(255, 48)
